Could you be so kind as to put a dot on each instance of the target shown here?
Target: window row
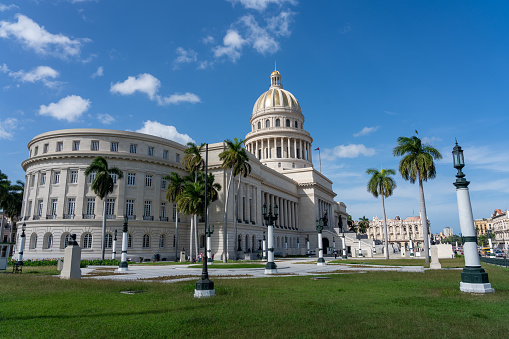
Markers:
(277, 123)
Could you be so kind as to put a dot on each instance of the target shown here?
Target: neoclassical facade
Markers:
(399, 231)
(58, 199)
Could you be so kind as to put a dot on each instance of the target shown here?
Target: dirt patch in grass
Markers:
(189, 276)
(102, 272)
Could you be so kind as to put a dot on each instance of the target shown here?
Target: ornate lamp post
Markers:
(360, 246)
(270, 218)
(411, 245)
(21, 245)
(114, 251)
(473, 277)
(264, 248)
(319, 228)
(343, 244)
(374, 246)
(307, 244)
(123, 267)
(334, 244)
(209, 244)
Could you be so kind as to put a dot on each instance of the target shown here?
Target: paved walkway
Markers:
(286, 267)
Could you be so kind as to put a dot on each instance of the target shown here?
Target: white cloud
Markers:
(488, 158)
(40, 73)
(232, 45)
(205, 64)
(431, 140)
(164, 131)
(345, 29)
(148, 84)
(144, 83)
(366, 131)
(184, 56)
(209, 39)
(105, 118)
(33, 36)
(259, 37)
(7, 127)
(351, 151)
(261, 5)
(4, 8)
(98, 73)
(280, 25)
(69, 108)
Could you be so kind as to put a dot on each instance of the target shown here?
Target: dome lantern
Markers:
(275, 78)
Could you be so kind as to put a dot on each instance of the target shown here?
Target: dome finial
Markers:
(275, 78)
(275, 68)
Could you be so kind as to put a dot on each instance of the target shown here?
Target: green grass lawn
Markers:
(374, 304)
(446, 263)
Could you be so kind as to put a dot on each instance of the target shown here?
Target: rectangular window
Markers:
(43, 179)
(36, 150)
(95, 145)
(114, 146)
(60, 146)
(165, 154)
(71, 206)
(162, 212)
(54, 207)
(148, 181)
(90, 206)
(150, 151)
(114, 177)
(46, 148)
(163, 183)
(129, 208)
(147, 209)
(279, 152)
(56, 178)
(132, 148)
(39, 211)
(75, 145)
(91, 177)
(129, 241)
(74, 177)
(110, 207)
(177, 157)
(131, 179)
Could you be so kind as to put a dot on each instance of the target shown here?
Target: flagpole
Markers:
(320, 158)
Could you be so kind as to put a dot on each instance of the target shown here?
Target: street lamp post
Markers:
(209, 244)
(473, 277)
(411, 245)
(374, 246)
(319, 228)
(21, 245)
(343, 243)
(123, 267)
(270, 218)
(334, 244)
(307, 244)
(264, 244)
(360, 247)
(114, 251)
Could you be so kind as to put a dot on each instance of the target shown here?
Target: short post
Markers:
(264, 248)
(343, 241)
(114, 252)
(209, 244)
(360, 247)
(319, 228)
(270, 218)
(473, 278)
(492, 255)
(21, 245)
(124, 267)
(334, 244)
(307, 244)
(374, 246)
(72, 260)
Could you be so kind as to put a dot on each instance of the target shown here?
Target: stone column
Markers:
(294, 148)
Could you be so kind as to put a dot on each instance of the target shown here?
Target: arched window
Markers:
(296, 124)
(239, 243)
(146, 241)
(48, 241)
(247, 243)
(108, 241)
(129, 241)
(287, 122)
(267, 123)
(277, 243)
(278, 123)
(278, 164)
(87, 240)
(162, 241)
(253, 243)
(33, 241)
(293, 165)
(202, 240)
(259, 124)
(64, 242)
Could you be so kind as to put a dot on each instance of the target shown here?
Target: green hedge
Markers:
(54, 261)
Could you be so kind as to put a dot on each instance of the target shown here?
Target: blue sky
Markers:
(364, 72)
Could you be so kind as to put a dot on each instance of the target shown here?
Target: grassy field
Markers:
(375, 304)
(446, 263)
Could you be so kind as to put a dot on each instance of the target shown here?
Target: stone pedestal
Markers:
(60, 264)
(435, 264)
(182, 256)
(72, 260)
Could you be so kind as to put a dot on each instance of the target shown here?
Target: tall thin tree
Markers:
(381, 184)
(103, 184)
(417, 165)
(173, 192)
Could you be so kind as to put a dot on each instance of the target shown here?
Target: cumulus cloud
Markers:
(209, 39)
(105, 118)
(4, 8)
(348, 151)
(184, 57)
(69, 108)
(148, 84)
(98, 73)
(32, 36)
(431, 140)
(261, 5)
(232, 45)
(164, 131)
(366, 131)
(7, 127)
(40, 73)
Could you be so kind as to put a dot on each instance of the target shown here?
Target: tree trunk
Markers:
(235, 215)
(104, 227)
(424, 222)
(225, 235)
(191, 241)
(176, 230)
(196, 235)
(385, 230)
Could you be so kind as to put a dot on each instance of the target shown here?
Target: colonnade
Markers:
(288, 211)
(280, 147)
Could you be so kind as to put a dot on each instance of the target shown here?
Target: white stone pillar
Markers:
(300, 149)
(321, 261)
(294, 148)
(343, 244)
(264, 246)
(114, 249)
(124, 253)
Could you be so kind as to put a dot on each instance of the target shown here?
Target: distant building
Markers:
(399, 231)
(500, 222)
(448, 232)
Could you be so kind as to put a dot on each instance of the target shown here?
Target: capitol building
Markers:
(59, 201)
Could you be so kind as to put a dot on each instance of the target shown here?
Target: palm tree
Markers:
(417, 164)
(5, 185)
(103, 185)
(235, 159)
(350, 223)
(382, 184)
(363, 224)
(14, 203)
(173, 192)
